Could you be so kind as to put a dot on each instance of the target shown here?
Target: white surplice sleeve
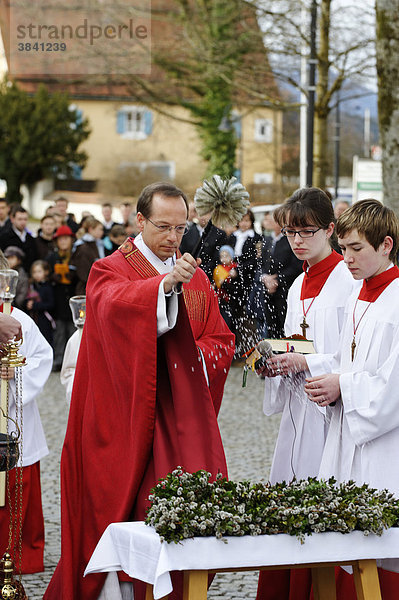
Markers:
(68, 368)
(371, 400)
(275, 395)
(319, 364)
(39, 358)
(167, 308)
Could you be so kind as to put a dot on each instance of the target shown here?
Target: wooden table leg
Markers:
(366, 580)
(195, 585)
(324, 583)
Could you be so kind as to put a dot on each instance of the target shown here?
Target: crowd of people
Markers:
(54, 264)
(164, 375)
(250, 271)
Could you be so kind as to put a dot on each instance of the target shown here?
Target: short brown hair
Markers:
(15, 208)
(62, 199)
(117, 230)
(374, 221)
(144, 203)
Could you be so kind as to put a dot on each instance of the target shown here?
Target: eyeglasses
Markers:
(303, 233)
(180, 229)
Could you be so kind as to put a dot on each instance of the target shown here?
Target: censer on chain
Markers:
(11, 449)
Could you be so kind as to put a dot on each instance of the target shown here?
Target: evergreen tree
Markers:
(39, 136)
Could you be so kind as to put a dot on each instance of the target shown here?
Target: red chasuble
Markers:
(140, 406)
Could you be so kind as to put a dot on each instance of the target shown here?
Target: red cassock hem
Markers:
(296, 584)
(32, 521)
(284, 584)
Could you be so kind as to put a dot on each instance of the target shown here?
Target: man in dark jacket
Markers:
(209, 253)
(280, 268)
(18, 236)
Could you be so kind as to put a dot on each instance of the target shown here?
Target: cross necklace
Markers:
(304, 326)
(355, 327)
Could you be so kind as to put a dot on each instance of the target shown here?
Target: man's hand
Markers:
(284, 364)
(323, 389)
(9, 328)
(183, 272)
(270, 282)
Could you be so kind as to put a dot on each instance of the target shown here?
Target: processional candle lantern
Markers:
(10, 359)
(78, 308)
(8, 288)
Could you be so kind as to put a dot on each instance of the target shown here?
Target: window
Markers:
(264, 130)
(260, 178)
(134, 122)
(79, 115)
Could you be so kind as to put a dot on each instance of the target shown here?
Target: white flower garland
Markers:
(186, 505)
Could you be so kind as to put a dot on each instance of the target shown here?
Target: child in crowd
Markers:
(315, 307)
(115, 238)
(362, 377)
(35, 372)
(227, 283)
(15, 257)
(40, 299)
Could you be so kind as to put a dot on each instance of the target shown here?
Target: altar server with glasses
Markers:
(316, 302)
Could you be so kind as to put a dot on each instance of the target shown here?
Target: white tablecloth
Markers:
(137, 550)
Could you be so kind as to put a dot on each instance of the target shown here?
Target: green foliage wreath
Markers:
(186, 505)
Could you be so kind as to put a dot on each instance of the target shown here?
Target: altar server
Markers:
(363, 376)
(316, 302)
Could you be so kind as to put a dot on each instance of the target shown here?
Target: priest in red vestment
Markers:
(148, 385)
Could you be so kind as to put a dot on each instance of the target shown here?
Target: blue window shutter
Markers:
(120, 122)
(237, 174)
(236, 121)
(79, 116)
(76, 171)
(148, 122)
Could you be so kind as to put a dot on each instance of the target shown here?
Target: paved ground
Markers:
(248, 437)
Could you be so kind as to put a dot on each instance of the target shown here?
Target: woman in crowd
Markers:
(64, 288)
